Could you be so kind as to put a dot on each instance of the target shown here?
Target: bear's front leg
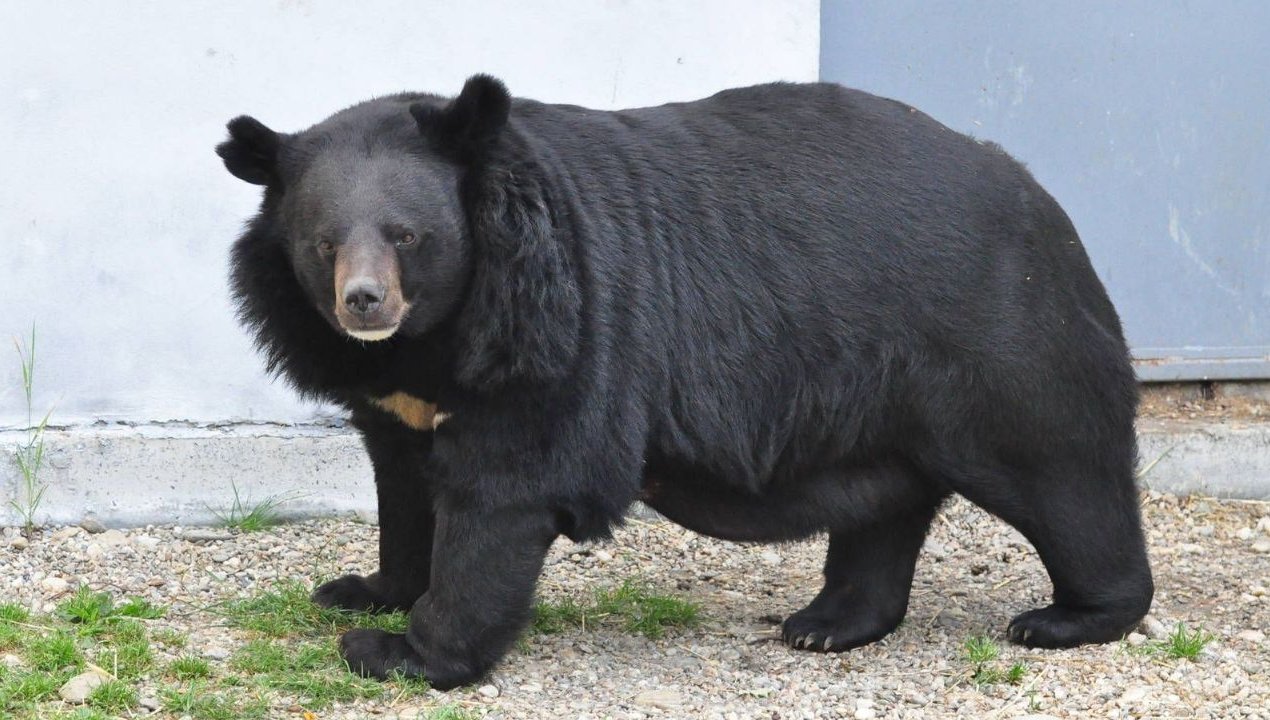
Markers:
(484, 568)
(399, 456)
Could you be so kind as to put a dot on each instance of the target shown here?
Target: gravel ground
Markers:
(1211, 559)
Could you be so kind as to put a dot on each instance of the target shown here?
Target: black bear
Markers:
(778, 311)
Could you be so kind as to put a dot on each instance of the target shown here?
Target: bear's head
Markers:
(400, 214)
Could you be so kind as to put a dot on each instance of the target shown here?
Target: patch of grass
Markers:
(12, 617)
(555, 618)
(127, 653)
(246, 516)
(1184, 644)
(644, 612)
(265, 656)
(169, 637)
(86, 607)
(634, 604)
(140, 608)
(113, 696)
(195, 700)
(14, 613)
(189, 668)
(83, 714)
(96, 613)
(1181, 644)
(313, 673)
(981, 649)
(1016, 673)
(982, 652)
(452, 712)
(23, 687)
(55, 650)
(282, 611)
(287, 610)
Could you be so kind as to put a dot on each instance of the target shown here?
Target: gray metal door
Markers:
(1148, 121)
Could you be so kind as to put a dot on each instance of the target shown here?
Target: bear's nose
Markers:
(363, 296)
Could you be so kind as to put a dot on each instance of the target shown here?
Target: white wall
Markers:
(116, 216)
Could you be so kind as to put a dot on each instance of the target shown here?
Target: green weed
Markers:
(1184, 644)
(189, 668)
(983, 654)
(137, 607)
(86, 608)
(981, 649)
(29, 455)
(252, 517)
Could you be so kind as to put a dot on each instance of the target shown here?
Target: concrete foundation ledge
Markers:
(186, 475)
(164, 474)
(1222, 459)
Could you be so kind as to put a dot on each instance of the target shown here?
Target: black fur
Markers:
(778, 311)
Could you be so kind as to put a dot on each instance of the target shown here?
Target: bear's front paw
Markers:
(380, 654)
(351, 592)
(809, 629)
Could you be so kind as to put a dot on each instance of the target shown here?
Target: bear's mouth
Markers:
(373, 334)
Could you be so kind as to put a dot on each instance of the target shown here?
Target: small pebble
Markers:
(1153, 628)
(489, 691)
(1262, 545)
(1252, 636)
(54, 585)
(19, 543)
(205, 535)
(661, 699)
(77, 689)
(92, 525)
(1135, 639)
(112, 537)
(1134, 695)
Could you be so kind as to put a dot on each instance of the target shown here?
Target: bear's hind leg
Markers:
(1085, 524)
(868, 576)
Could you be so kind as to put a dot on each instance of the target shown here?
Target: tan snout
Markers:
(368, 300)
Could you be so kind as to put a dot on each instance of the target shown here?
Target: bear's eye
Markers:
(406, 240)
(325, 247)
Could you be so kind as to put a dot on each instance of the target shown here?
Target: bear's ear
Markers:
(522, 318)
(472, 121)
(251, 152)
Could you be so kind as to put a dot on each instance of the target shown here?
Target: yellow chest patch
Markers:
(410, 410)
